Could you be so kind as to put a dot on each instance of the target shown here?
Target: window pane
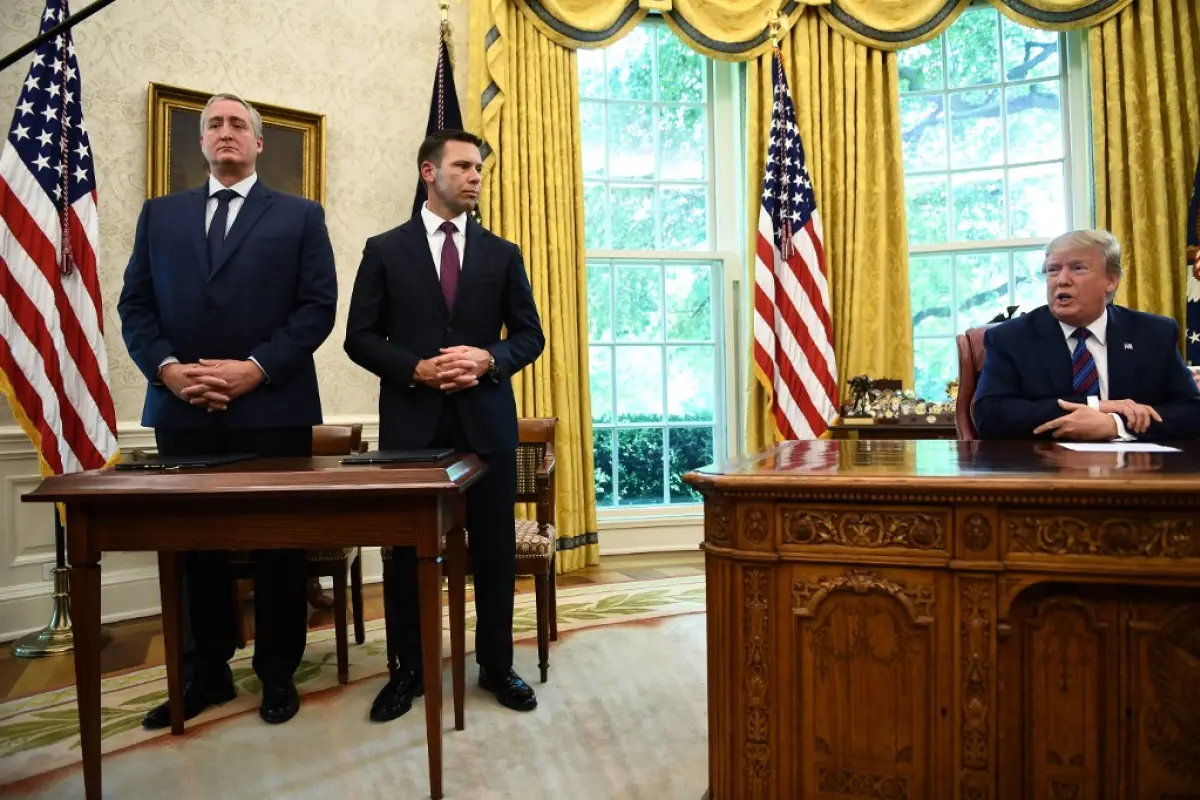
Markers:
(691, 448)
(921, 67)
(591, 120)
(1035, 127)
(1029, 53)
(639, 304)
(1036, 198)
(691, 380)
(599, 293)
(982, 280)
(630, 140)
(978, 205)
(975, 139)
(935, 363)
(689, 303)
(923, 132)
(973, 48)
(683, 139)
(1030, 283)
(600, 377)
(595, 216)
(632, 217)
(591, 73)
(639, 384)
(631, 66)
(680, 69)
(929, 294)
(684, 217)
(926, 199)
(640, 465)
(602, 444)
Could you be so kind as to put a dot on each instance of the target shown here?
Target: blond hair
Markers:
(1100, 239)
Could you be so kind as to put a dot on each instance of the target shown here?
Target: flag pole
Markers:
(57, 637)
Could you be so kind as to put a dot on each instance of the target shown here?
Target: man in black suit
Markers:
(1079, 369)
(429, 303)
(229, 290)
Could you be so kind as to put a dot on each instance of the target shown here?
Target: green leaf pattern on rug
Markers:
(51, 727)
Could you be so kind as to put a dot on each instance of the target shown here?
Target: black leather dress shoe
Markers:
(280, 702)
(395, 699)
(510, 690)
(197, 696)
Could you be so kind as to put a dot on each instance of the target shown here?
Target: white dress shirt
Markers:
(1097, 345)
(242, 188)
(437, 238)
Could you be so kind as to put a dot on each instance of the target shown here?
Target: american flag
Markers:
(53, 367)
(793, 336)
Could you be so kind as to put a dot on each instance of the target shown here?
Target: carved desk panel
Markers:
(970, 620)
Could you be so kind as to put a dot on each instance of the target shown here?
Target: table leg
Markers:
(457, 579)
(170, 588)
(429, 580)
(85, 615)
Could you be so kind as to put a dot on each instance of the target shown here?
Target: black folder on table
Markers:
(412, 456)
(186, 462)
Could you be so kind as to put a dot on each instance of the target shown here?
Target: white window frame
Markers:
(677, 522)
(1077, 167)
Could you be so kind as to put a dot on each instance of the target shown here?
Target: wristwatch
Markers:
(492, 372)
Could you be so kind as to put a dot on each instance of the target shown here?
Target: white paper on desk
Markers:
(1118, 447)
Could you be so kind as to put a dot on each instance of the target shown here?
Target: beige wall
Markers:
(366, 64)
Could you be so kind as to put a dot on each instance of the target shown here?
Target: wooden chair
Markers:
(970, 364)
(535, 538)
(328, 440)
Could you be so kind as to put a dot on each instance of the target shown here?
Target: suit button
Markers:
(209, 307)
(449, 329)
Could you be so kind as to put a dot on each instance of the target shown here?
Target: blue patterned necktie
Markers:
(1085, 380)
(216, 228)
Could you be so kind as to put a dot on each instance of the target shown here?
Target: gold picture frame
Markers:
(292, 160)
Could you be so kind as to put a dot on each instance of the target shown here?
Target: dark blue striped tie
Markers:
(1084, 378)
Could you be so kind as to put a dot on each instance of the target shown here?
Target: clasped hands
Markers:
(1087, 424)
(457, 368)
(212, 383)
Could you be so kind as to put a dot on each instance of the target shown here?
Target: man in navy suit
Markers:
(1080, 369)
(430, 301)
(229, 290)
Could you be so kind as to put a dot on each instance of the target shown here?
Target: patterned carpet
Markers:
(623, 702)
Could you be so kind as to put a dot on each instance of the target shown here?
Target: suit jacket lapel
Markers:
(425, 269)
(256, 202)
(199, 204)
(1120, 356)
(1055, 355)
(473, 258)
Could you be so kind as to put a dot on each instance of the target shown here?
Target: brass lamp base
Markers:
(56, 638)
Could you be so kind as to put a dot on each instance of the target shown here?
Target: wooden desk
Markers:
(883, 430)
(928, 619)
(263, 504)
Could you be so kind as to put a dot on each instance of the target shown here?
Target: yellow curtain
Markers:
(733, 30)
(897, 24)
(1145, 76)
(847, 108)
(533, 195)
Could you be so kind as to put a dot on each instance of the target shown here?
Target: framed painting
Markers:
(292, 159)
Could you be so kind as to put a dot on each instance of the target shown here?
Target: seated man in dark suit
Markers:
(1080, 369)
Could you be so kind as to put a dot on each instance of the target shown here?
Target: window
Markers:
(988, 118)
(656, 297)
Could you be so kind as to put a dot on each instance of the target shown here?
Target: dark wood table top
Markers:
(265, 477)
(931, 465)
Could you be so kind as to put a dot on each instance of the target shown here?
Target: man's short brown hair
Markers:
(431, 149)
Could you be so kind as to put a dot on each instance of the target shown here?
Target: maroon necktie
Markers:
(450, 266)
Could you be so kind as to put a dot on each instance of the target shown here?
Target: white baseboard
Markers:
(124, 594)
